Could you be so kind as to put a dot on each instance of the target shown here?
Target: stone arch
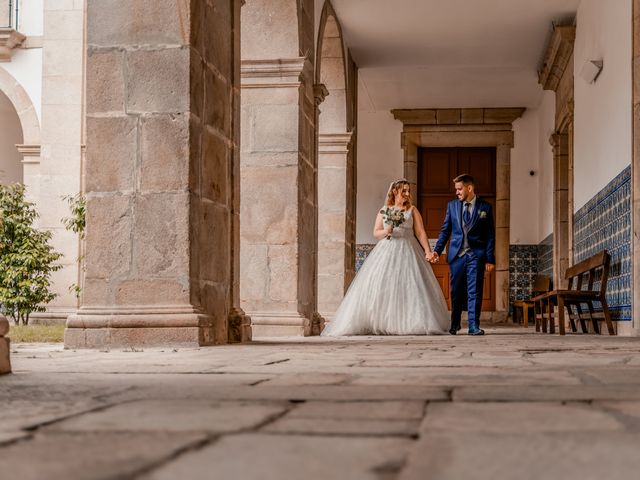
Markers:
(336, 167)
(24, 107)
(331, 71)
(10, 135)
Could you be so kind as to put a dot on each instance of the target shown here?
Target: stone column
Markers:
(278, 230)
(58, 172)
(160, 90)
(503, 216)
(239, 322)
(560, 143)
(335, 245)
(635, 172)
(5, 362)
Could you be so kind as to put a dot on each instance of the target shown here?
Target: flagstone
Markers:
(516, 418)
(532, 456)
(175, 416)
(276, 457)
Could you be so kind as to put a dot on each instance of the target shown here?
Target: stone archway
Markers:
(24, 107)
(473, 127)
(30, 147)
(336, 165)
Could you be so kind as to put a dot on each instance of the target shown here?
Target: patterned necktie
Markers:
(467, 213)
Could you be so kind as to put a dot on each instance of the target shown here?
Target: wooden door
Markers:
(437, 167)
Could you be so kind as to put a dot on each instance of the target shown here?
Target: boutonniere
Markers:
(483, 214)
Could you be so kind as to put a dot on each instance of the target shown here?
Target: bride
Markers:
(395, 292)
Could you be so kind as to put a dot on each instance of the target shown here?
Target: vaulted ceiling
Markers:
(449, 53)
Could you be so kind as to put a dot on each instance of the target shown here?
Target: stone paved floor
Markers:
(510, 405)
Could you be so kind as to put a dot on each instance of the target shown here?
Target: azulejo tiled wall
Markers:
(523, 267)
(605, 223)
(545, 257)
(362, 251)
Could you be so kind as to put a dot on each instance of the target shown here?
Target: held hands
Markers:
(432, 257)
(489, 267)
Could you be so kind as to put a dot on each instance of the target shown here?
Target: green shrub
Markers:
(27, 260)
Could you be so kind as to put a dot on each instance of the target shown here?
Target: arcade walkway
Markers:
(510, 405)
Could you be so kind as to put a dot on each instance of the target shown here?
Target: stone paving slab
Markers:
(517, 417)
(407, 410)
(328, 408)
(277, 457)
(174, 416)
(525, 456)
(344, 427)
(546, 393)
(91, 456)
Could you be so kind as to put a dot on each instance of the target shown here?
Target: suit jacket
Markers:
(481, 235)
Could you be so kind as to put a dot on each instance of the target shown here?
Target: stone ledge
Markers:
(9, 39)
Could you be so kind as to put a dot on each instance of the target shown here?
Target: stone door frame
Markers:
(469, 127)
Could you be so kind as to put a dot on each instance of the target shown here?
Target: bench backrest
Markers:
(582, 276)
(541, 284)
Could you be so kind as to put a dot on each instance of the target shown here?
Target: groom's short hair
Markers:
(464, 178)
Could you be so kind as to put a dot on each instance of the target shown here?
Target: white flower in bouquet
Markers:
(392, 216)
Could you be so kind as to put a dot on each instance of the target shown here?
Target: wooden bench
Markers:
(580, 292)
(541, 284)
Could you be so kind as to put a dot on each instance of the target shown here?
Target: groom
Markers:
(469, 224)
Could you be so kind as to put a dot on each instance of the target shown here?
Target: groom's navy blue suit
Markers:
(467, 267)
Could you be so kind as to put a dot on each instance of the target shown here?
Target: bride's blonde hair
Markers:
(393, 189)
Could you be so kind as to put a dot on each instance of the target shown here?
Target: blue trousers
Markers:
(467, 282)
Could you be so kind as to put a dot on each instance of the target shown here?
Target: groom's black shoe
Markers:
(476, 331)
(454, 330)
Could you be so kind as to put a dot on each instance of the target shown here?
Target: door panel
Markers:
(436, 169)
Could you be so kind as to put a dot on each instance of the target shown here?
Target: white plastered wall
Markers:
(603, 110)
(380, 161)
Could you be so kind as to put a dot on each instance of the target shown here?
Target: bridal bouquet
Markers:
(393, 217)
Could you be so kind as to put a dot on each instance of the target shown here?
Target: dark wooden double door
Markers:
(436, 169)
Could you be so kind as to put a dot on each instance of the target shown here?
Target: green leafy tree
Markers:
(76, 223)
(27, 260)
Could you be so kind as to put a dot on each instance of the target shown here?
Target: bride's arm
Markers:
(379, 230)
(418, 229)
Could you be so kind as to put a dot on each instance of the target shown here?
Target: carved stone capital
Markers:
(557, 56)
(320, 92)
(334, 143)
(30, 153)
(9, 39)
(274, 73)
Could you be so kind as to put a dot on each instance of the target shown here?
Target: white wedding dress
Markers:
(394, 293)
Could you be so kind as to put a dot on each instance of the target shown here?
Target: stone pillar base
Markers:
(142, 328)
(5, 344)
(270, 324)
(239, 326)
(5, 361)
